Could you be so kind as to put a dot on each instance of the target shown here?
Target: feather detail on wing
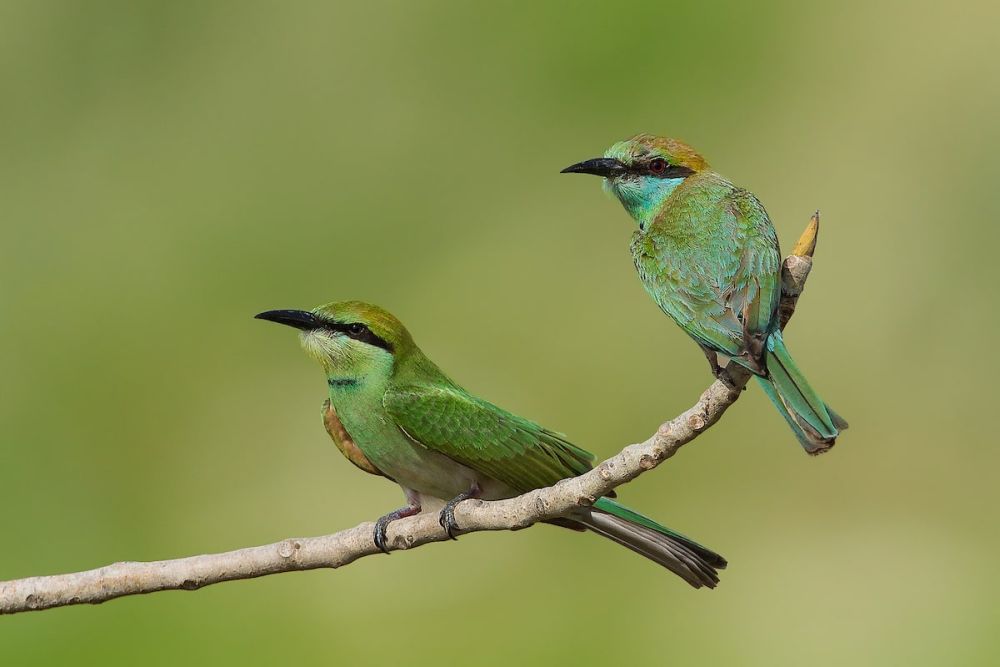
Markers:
(486, 438)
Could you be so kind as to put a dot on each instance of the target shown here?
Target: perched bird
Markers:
(393, 413)
(707, 253)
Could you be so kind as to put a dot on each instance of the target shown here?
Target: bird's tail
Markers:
(684, 557)
(815, 424)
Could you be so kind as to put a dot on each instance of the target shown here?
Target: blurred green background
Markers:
(169, 169)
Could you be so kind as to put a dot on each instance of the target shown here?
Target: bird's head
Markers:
(352, 340)
(643, 171)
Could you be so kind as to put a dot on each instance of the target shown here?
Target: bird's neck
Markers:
(344, 387)
(645, 202)
(359, 388)
(357, 400)
(344, 384)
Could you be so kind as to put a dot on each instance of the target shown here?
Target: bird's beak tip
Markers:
(299, 319)
(600, 166)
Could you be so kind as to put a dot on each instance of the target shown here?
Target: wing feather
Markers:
(484, 437)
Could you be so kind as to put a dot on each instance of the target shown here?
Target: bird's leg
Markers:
(718, 371)
(447, 517)
(383, 523)
(713, 361)
(755, 352)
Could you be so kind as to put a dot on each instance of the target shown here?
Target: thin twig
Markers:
(332, 551)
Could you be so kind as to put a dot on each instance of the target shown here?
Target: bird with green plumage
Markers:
(707, 253)
(393, 413)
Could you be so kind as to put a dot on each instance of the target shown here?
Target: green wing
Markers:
(714, 268)
(484, 437)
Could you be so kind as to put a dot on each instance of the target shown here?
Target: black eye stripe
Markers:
(643, 168)
(677, 171)
(358, 332)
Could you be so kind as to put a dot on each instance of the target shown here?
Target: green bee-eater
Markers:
(707, 253)
(393, 413)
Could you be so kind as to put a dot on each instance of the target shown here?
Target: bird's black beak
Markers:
(300, 319)
(599, 166)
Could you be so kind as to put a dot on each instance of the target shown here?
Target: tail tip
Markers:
(820, 446)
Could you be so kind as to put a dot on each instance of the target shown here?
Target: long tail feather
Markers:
(689, 560)
(815, 425)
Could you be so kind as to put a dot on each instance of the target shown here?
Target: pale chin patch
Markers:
(319, 345)
(341, 355)
(609, 187)
(624, 191)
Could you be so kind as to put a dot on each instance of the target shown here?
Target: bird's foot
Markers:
(713, 363)
(447, 516)
(720, 372)
(382, 524)
(726, 378)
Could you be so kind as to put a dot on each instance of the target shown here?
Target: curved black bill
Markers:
(300, 319)
(599, 166)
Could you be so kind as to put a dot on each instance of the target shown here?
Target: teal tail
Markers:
(814, 423)
(683, 556)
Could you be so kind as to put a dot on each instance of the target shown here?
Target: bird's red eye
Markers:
(657, 166)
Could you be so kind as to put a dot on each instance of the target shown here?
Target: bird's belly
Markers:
(433, 474)
(382, 447)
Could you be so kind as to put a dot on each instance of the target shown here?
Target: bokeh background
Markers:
(169, 169)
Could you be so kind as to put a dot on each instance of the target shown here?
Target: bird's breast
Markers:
(345, 443)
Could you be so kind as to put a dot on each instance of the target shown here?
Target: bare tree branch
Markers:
(338, 549)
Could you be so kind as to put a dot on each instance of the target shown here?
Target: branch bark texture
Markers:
(345, 547)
